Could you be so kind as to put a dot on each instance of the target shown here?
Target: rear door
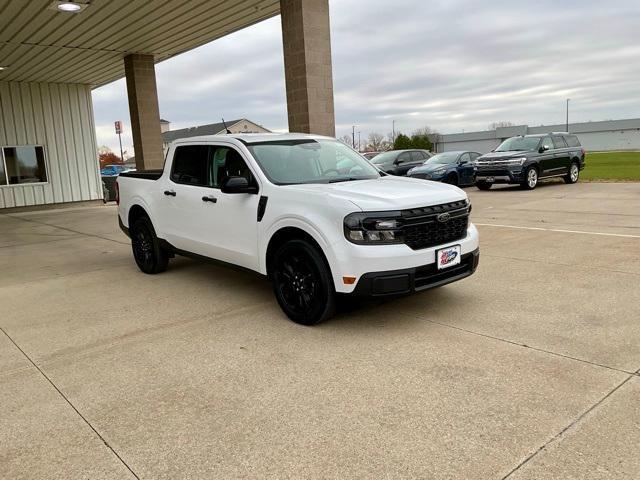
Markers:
(561, 162)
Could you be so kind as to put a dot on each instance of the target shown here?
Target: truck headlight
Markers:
(373, 228)
(517, 161)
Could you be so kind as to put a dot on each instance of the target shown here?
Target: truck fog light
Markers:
(356, 235)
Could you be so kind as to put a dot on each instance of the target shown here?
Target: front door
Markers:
(546, 160)
(465, 169)
(199, 217)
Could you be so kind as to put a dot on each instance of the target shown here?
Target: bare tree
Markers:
(375, 141)
(501, 124)
(347, 140)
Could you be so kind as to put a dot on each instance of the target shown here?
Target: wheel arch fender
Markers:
(291, 228)
(137, 207)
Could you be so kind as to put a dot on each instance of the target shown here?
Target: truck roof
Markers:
(249, 138)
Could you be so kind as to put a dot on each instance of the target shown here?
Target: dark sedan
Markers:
(456, 168)
(399, 162)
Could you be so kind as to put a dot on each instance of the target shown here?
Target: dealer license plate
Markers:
(448, 257)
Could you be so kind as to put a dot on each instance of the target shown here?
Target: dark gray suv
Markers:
(526, 159)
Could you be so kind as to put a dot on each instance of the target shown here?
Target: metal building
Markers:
(53, 52)
(603, 136)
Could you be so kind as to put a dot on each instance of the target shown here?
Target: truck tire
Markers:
(574, 173)
(147, 252)
(530, 178)
(302, 283)
(484, 185)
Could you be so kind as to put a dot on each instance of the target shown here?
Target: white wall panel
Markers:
(59, 117)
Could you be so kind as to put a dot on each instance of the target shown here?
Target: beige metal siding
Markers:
(59, 117)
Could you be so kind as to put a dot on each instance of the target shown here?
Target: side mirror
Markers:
(463, 162)
(237, 185)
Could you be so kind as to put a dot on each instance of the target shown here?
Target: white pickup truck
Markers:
(307, 211)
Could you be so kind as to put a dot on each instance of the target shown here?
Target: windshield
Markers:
(291, 162)
(518, 144)
(385, 157)
(443, 158)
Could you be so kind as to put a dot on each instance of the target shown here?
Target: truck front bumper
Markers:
(410, 280)
(368, 262)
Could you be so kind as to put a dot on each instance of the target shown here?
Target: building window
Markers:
(23, 164)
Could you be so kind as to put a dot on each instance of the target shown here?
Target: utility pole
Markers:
(568, 115)
(118, 125)
(358, 141)
(393, 131)
(353, 136)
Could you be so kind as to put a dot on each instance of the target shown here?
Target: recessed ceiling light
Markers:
(68, 6)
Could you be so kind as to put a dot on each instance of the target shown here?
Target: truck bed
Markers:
(143, 174)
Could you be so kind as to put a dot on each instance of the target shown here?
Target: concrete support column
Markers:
(307, 63)
(143, 108)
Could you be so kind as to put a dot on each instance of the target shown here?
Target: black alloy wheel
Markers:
(484, 185)
(302, 283)
(148, 254)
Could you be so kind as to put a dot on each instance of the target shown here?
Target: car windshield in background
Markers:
(291, 162)
(443, 158)
(383, 158)
(519, 144)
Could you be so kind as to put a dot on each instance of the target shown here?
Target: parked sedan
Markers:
(456, 168)
(399, 162)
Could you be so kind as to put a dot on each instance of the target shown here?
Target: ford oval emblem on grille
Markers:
(443, 217)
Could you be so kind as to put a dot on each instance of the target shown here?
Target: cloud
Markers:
(452, 65)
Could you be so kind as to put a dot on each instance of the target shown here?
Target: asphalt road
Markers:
(526, 370)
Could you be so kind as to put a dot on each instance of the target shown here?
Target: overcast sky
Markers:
(453, 65)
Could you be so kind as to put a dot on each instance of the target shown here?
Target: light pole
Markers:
(393, 131)
(567, 123)
(358, 141)
(353, 136)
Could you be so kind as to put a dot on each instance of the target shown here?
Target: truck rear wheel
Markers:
(148, 254)
(302, 283)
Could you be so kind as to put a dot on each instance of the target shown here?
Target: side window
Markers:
(417, 157)
(572, 141)
(227, 162)
(190, 165)
(404, 157)
(547, 142)
(465, 158)
(559, 142)
(474, 155)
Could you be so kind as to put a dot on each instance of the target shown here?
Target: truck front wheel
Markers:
(302, 283)
(147, 252)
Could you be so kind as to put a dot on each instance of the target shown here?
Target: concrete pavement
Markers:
(526, 370)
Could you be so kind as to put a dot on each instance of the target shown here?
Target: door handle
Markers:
(170, 193)
(209, 199)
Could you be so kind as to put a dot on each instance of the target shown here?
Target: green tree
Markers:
(402, 142)
(421, 141)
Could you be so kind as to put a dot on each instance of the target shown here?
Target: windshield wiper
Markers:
(344, 179)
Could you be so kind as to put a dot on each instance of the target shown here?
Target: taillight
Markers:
(584, 152)
(117, 193)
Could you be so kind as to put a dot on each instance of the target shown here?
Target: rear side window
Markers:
(190, 165)
(417, 156)
(572, 141)
(546, 142)
(559, 142)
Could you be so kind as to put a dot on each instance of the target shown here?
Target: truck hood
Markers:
(387, 193)
(502, 155)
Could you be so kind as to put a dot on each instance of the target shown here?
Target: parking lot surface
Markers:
(527, 370)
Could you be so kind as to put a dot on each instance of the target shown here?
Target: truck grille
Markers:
(422, 229)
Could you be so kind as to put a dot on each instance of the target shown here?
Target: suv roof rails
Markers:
(558, 133)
